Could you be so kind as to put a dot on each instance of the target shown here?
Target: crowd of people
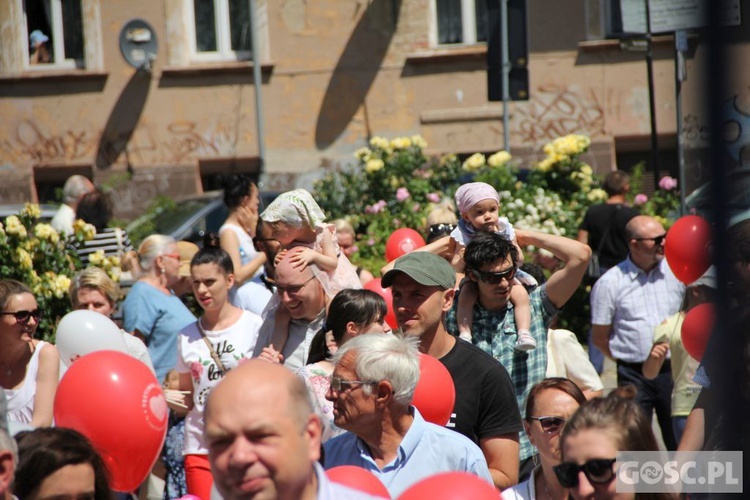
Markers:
(291, 368)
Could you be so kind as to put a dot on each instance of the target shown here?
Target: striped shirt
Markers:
(113, 241)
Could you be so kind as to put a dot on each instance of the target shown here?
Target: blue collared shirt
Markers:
(634, 302)
(425, 450)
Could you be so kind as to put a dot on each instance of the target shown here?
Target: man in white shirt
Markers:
(75, 188)
(627, 303)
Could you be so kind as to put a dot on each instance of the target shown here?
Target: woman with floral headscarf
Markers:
(296, 220)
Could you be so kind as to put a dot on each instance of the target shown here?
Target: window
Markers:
(221, 30)
(54, 30)
(460, 21)
(604, 19)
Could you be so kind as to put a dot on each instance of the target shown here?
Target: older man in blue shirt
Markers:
(371, 389)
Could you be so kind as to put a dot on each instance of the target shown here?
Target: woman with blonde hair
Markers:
(92, 289)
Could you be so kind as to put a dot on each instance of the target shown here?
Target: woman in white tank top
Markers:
(29, 368)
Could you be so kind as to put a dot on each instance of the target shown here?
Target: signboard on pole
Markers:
(673, 15)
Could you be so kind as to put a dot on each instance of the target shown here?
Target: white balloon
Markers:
(82, 332)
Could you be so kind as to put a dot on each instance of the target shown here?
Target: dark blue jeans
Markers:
(653, 395)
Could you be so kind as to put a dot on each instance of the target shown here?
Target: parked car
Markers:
(736, 196)
(191, 217)
(48, 211)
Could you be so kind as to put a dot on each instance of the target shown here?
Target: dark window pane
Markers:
(450, 25)
(480, 8)
(39, 28)
(72, 29)
(239, 22)
(205, 25)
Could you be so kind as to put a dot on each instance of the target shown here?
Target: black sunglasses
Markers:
(597, 470)
(24, 316)
(494, 278)
(658, 240)
(441, 229)
(550, 425)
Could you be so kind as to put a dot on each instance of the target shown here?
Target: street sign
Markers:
(673, 15)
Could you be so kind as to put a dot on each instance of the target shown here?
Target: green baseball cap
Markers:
(423, 267)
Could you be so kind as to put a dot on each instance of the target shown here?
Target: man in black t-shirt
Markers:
(486, 410)
(607, 221)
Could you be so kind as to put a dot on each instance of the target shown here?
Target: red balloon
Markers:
(115, 401)
(402, 241)
(687, 248)
(377, 287)
(696, 329)
(435, 394)
(359, 479)
(451, 486)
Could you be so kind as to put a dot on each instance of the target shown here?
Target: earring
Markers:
(163, 270)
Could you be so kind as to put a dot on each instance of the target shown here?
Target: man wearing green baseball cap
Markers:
(485, 410)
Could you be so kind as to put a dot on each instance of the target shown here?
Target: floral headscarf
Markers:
(297, 208)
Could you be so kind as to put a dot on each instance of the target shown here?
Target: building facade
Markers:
(334, 73)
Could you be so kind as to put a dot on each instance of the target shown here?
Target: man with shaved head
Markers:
(263, 437)
(627, 303)
(302, 295)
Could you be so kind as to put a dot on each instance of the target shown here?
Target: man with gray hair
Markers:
(8, 461)
(75, 188)
(371, 389)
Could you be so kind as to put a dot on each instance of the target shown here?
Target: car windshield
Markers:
(170, 221)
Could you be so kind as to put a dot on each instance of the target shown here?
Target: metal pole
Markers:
(680, 45)
(506, 73)
(651, 98)
(258, 83)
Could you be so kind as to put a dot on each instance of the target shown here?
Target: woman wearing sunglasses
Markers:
(549, 404)
(29, 368)
(590, 442)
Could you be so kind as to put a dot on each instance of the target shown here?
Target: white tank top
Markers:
(21, 400)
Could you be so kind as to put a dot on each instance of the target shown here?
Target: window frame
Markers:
(58, 35)
(222, 26)
(468, 25)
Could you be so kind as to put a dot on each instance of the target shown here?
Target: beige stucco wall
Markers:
(334, 72)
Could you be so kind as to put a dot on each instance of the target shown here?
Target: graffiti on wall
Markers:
(33, 144)
(555, 111)
(180, 141)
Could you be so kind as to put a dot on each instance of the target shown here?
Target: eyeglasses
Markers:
(658, 240)
(338, 383)
(597, 470)
(24, 316)
(550, 425)
(292, 289)
(494, 278)
(436, 229)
